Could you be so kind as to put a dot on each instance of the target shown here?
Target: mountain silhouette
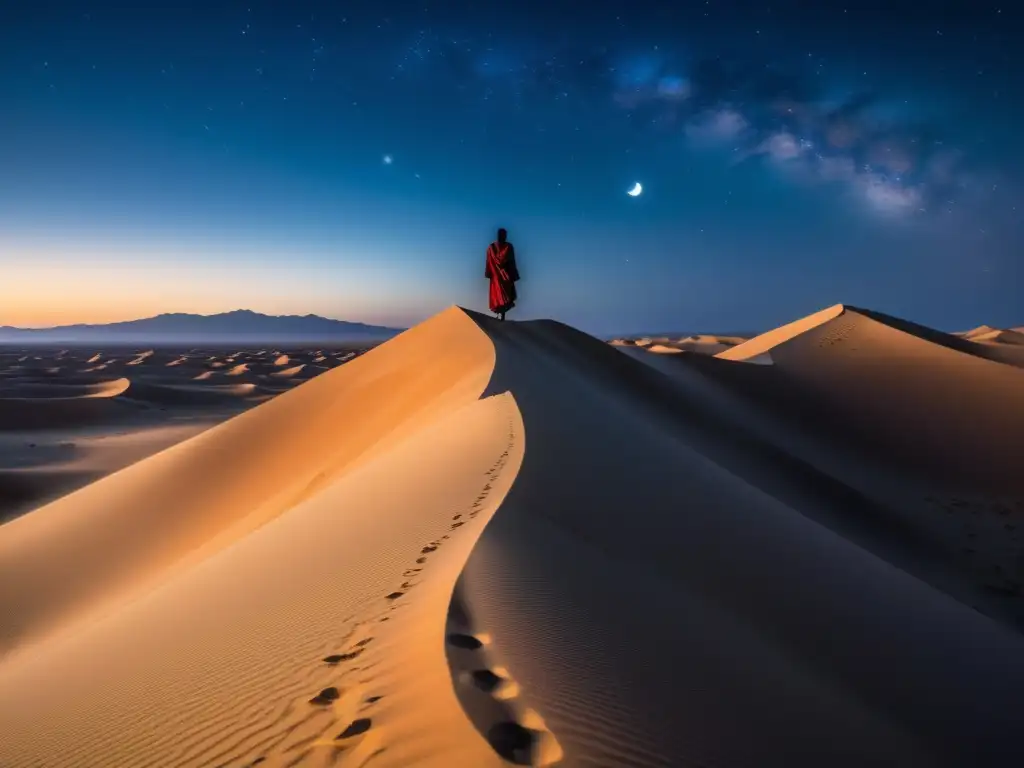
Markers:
(226, 327)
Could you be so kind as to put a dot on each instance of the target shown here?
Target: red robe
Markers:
(501, 271)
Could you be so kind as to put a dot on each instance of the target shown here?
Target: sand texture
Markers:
(486, 544)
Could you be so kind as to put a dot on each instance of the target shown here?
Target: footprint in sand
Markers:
(486, 680)
(513, 742)
(345, 705)
(489, 696)
(338, 658)
(497, 682)
(355, 649)
(467, 642)
(355, 728)
(326, 696)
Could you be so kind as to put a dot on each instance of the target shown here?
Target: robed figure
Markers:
(502, 272)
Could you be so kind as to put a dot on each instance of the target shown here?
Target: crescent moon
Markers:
(636, 190)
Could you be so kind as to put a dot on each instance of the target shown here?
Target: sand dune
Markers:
(166, 394)
(67, 388)
(913, 446)
(1001, 337)
(43, 409)
(47, 413)
(1000, 346)
(663, 349)
(285, 373)
(939, 408)
(758, 349)
(702, 344)
(143, 358)
(988, 333)
(486, 543)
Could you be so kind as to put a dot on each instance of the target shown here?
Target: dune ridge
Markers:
(489, 543)
(758, 349)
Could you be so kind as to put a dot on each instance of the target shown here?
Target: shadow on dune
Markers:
(185, 394)
(723, 583)
(21, 490)
(62, 413)
(1009, 356)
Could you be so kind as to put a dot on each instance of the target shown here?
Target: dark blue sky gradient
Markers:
(209, 156)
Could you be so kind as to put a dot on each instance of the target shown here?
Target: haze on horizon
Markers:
(337, 161)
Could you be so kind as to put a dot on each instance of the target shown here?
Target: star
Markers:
(388, 160)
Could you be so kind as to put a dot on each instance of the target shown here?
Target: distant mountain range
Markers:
(242, 325)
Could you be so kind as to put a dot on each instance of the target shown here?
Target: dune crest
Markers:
(286, 373)
(663, 349)
(758, 349)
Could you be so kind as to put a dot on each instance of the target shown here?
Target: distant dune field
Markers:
(69, 416)
(491, 543)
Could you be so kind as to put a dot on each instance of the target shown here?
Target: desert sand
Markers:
(71, 416)
(484, 543)
(702, 344)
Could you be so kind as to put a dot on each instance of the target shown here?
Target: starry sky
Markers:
(353, 159)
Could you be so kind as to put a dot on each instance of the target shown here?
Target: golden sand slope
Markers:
(755, 349)
(487, 543)
(223, 483)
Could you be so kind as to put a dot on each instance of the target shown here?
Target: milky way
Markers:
(898, 164)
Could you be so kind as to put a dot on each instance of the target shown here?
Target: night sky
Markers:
(353, 159)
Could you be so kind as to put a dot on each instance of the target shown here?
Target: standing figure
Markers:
(502, 272)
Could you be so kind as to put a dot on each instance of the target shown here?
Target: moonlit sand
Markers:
(482, 544)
